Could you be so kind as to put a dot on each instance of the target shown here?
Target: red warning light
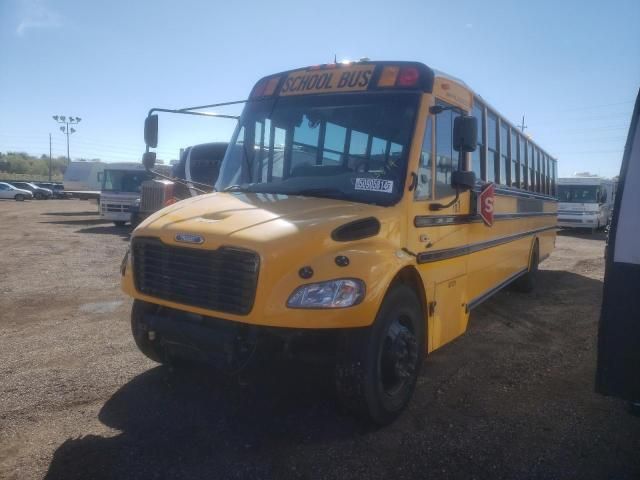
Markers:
(408, 77)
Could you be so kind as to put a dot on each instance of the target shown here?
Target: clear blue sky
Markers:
(572, 67)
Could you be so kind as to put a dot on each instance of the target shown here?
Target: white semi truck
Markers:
(585, 202)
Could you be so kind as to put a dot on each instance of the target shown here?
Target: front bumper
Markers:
(578, 221)
(229, 345)
(116, 216)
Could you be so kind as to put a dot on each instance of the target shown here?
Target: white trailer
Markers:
(83, 179)
(121, 186)
(585, 202)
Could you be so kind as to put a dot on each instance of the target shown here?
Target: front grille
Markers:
(116, 208)
(224, 280)
(152, 197)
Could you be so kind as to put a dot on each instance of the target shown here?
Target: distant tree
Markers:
(24, 163)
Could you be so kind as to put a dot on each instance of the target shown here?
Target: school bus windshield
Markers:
(347, 146)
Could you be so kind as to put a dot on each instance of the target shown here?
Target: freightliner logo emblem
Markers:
(189, 238)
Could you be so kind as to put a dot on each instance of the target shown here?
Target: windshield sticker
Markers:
(374, 185)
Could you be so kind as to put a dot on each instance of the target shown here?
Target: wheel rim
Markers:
(398, 356)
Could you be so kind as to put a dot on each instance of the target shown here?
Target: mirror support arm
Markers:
(440, 206)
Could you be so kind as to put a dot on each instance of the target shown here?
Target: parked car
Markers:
(9, 191)
(39, 193)
(56, 188)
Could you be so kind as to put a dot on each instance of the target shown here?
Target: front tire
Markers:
(379, 366)
(141, 333)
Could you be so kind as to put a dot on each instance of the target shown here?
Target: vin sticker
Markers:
(374, 185)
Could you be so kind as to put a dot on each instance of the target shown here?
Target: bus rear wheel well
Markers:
(535, 247)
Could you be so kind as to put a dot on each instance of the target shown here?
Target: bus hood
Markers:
(252, 219)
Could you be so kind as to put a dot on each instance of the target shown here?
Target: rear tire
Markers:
(19, 197)
(141, 333)
(378, 369)
(119, 223)
(527, 282)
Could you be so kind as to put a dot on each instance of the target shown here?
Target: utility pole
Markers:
(66, 129)
(522, 125)
(49, 156)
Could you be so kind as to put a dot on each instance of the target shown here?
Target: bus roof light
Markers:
(265, 87)
(270, 86)
(389, 76)
(258, 90)
(408, 77)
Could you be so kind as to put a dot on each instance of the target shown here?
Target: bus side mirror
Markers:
(149, 160)
(151, 131)
(465, 133)
(463, 180)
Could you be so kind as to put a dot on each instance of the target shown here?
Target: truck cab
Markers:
(195, 173)
(121, 187)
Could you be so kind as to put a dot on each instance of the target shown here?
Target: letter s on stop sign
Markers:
(486, 200)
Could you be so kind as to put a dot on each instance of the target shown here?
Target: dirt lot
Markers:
(511, 399)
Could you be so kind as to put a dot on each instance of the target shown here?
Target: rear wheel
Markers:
(527, 282)
(119, 223)
(378, 369)
(19, 197)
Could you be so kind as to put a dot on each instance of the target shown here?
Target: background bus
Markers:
(585, 202)
(83, 179)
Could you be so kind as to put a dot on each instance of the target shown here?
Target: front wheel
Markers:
(379, 366)
(19, 197)
(141, 333)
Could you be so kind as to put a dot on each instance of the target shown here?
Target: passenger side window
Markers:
(523, 162)
(478, 153)
(515, 167)
(531, 160)
(504, 158)
(423, 188)
(444, 154)
(492, 144)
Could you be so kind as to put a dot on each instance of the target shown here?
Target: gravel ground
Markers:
(513, 398)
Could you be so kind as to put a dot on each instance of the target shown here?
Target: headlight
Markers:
(340, 293)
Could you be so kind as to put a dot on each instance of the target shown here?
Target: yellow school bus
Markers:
(361, 212)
